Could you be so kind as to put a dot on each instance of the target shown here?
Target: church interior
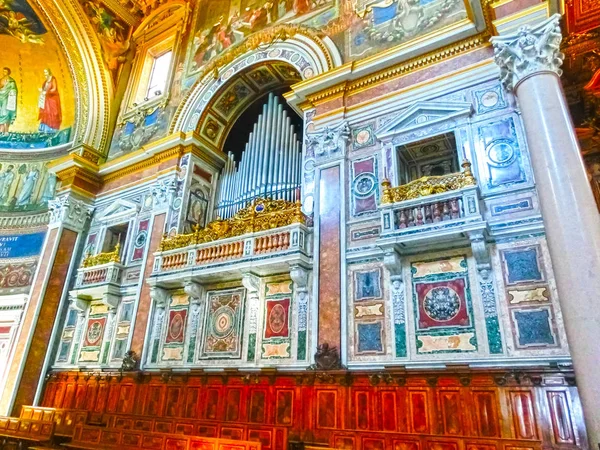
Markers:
(300, 224)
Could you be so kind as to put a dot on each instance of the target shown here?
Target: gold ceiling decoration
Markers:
(425, 186)
(260, 215)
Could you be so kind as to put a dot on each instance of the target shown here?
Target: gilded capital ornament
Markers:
(529, 51)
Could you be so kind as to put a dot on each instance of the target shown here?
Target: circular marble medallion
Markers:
(94, 333)
(364, 184)
(140, 239)
(441, 304)
(501, 152)
(277, 318)
(275, 53)
(176, 328)
(308, 72)
(222, 322)
(363, 137)
(490, 99)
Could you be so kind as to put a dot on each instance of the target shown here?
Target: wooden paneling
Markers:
(403, 413)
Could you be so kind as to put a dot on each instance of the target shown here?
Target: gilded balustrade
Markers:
(425, 186)
(260, 215)
(102, 258)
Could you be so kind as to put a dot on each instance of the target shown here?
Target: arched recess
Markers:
(307, 53)
(238, 92)
(93, 88)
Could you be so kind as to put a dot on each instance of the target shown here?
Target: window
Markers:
(114, 235)
(159, 75)
(431, 157)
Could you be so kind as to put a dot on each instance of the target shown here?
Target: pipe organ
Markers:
(270, 165)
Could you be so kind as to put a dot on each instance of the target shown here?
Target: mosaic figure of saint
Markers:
(24, 197)
(7, 179)
(8, 100)
(49, 188)
(50, 115)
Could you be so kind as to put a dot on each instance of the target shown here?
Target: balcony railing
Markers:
(431, 207)
(99, 269)
(105, 273)
(263, 227)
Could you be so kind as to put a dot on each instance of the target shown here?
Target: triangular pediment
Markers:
(423, 114)
(119, 209)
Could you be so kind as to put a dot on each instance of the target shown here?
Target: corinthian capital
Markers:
(69, 212)
(529, 51)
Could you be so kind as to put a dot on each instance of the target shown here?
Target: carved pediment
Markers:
(120, 209)
(424, 114)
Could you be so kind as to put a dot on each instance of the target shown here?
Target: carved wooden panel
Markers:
(416, 412)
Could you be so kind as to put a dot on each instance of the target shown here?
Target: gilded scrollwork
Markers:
(425, 186)
(260, 215)
(102, 258)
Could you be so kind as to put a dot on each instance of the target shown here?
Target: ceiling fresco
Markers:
(37, 104)
(360, 28)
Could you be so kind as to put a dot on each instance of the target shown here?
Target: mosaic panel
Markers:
(369, 337)
(276, 337)
(363, 137)
(528, 298)
(522, 265)
(364, 188)
(443, 306)
(223, 325)
(500, 145)
(534, 327)
(176, 326)
(367, 285)
(489, 99)
(141, 237)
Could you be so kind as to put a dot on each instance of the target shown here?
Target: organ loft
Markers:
(299, 224)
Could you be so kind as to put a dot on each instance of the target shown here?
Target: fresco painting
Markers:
(36, 91)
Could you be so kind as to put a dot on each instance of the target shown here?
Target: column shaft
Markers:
(572, 229)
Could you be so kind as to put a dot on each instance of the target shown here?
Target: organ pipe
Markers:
(270, 164)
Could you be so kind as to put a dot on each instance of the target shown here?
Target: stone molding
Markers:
(530, 51)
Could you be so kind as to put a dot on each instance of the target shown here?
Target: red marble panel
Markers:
(174, 401)
(486, 413)
(521, 403)
(212, 404)
(191, 401)
(401, 444)
(326, 409)
(560, 415)
(141, 320)
(285, 407)
(329, 257)
(80, 394)
(388, 412)
(126, 397)
(154, 401)
(232, 408)
(418, 411)
(361, 410)
(258, 407)
(373, 444)
(451, 411)
(69, 399)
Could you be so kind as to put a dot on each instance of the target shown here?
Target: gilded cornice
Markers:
(352, 87)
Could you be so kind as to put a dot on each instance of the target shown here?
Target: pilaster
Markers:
(68, 218)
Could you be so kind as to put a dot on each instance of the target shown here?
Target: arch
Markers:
(238, 92)
(299, 47)
(91, 82)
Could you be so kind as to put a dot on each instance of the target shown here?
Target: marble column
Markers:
(530, 63)
(24, 381)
